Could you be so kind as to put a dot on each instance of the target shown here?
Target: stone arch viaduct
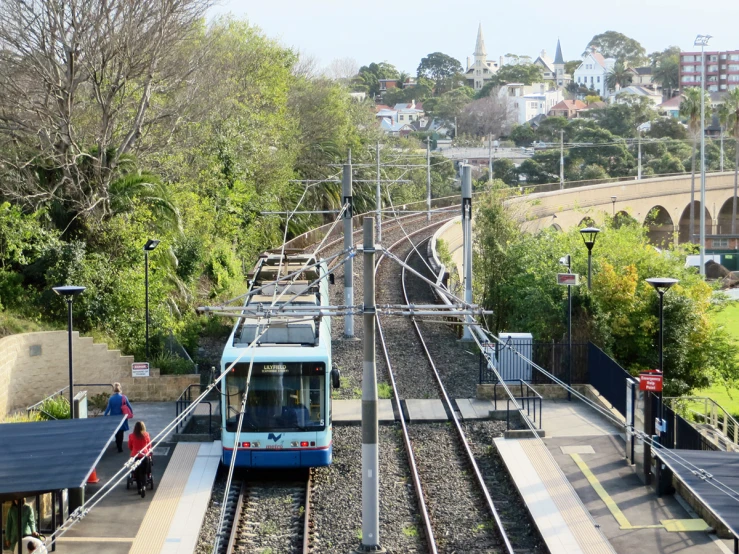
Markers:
(662, 204)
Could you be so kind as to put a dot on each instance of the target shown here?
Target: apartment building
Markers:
(722, 70)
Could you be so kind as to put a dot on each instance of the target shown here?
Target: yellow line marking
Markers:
(670, 525)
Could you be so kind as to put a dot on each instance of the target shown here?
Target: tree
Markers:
(592, 98)
(550, 129)
(449, 105)
(342, 69)
(90, 81)
(505, 170)
(732, 106)
(690, 108)
(667, 127)
(666, 164)
(616, 45)
(486, 116)
(522, 135)
(666, 69)
(619, 76)
(440, 68)
(369, 76)
(572, 65)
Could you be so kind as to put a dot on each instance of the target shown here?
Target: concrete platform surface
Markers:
(561, 418)
(637, 506)
(474, 408)
(563, 521)
(347, 412)
(426, 410)
(156, 416)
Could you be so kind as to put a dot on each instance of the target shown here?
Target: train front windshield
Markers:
(281, 397)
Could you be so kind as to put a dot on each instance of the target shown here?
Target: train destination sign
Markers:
(568, 279)
(651, 381)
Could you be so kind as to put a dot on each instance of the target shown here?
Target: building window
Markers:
(599, 78)
(713, 58)
(712, 68)
(720, 243)
(688, 58)
(400, 118)
(734, 57)
(734, 67)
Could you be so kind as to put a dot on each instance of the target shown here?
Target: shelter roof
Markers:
(46, 456)
(720, 470)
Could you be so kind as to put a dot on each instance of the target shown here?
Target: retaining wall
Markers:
(35, 365)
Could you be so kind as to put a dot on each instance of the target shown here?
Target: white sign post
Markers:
(140, 369)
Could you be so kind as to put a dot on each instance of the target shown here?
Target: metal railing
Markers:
(527, 397)
(704, 410)
(552, 356)
(184, 402)
(61, 391)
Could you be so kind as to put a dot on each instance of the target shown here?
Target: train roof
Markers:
(266, 289)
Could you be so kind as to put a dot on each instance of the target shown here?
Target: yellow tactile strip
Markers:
(590, 539)
(158, 518)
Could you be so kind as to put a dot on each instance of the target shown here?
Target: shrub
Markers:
(97, 403)
(21, 417)
(169, 364)
(55, 407)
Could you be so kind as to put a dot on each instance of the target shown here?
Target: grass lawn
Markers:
(729, 317)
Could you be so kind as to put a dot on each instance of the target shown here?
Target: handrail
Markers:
(528, 398)
(717, 416)
(184, 401)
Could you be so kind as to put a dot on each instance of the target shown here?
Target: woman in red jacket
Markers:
(139, 443)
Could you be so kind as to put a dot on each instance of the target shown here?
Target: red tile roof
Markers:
(569, 105)
(380, 107)
(599, 58)
(673, 102)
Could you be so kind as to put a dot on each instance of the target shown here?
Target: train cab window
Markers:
(281, 397)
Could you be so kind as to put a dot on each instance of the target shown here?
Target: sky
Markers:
(402, 32)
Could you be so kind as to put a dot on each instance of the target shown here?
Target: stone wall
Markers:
(35, 365)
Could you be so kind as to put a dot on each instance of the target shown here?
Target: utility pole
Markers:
(561, 159)
(490, 158)
(702, 218)
(378, 198)
(638, 175)
(428, 178)
(370, 458)
(346, 190)
(467, 238)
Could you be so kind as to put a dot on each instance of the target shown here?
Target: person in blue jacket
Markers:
(115, 408)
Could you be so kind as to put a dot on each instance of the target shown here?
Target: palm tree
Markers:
(731, 101)
(619, 76)
(690, 108)
(402, 78)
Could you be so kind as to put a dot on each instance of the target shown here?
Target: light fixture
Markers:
(69, 292)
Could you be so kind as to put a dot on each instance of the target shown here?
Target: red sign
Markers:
(651, 381)
(568, 279)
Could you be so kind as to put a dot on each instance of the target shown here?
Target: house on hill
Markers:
(567, 108)
(592, 72)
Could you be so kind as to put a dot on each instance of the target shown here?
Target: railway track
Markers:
(269, 515)
(454, 502)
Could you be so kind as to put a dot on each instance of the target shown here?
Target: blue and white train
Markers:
(287, 420)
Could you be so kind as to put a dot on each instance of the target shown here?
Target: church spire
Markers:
(480, 45)
(558, 58)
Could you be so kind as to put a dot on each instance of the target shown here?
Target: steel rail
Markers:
(306, 514)
(415, 476)
(457, 425)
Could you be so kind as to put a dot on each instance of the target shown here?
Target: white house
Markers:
(553, 71)
(481, 70)
(528, 101)
(637, 90)
(592, 72)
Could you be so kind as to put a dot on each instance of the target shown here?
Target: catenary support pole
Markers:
(467, 238)
(561, 159)
(428, 178)
(639, 170)
(378, 199)
(370, 455)
(702, 217)
(346, 192)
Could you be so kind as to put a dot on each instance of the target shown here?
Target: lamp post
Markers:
(588, 236)
(702, 41)
(150, 245)
(69, 292)
(661, 285)
(613, 201)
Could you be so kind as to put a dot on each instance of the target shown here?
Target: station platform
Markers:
(576, 481)
(168, 520)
